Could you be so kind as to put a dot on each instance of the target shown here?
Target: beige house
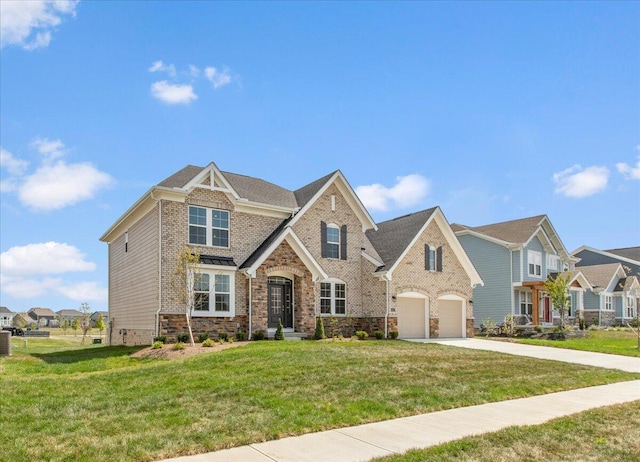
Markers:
(268, 254)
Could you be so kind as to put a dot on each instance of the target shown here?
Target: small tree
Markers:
(558, 290)
(185, 278)
(279, 332)
(319, 333)
(636, 329)
(85, 320)
(65, 325)
(100, 325)
(75, 325)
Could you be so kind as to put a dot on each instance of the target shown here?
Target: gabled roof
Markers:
(513, 231)
(5, 310)
(257, 190)
(181, 177)
(626, 284)
(306, 193)
(69, 313)
(42, 312)
(632, 253)
(394, 236)
(600, 276)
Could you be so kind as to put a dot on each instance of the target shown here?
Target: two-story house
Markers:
(6, 316)
(42, 317)
(514, 259)
(268, 254)
(68, 315)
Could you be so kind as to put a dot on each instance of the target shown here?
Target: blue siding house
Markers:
(514, 259)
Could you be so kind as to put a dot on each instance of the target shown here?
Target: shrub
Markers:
(208, 343)
(258, 335)
(203, 337)
(488, 326)
(379, 334)
(160, 338)
(361, 335)
(582, 324)
(230, 340)
(223, 336)
(179, 346)
(393, 334)
(157, 345)
(319, 332)
(240, 336)
(279, 332)
(182, 338)
(509, 324)
(538, 329)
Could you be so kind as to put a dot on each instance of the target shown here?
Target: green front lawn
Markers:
(600, 435)
(617, 342)
(99, 404)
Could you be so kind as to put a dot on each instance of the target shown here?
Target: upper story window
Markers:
(432, 258)
(208, 227)
(214, 294)
(535, 263)
(553, 263)
(333, 298)
(333, 241)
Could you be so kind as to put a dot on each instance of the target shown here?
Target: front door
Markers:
(279, 303)
(546, 310)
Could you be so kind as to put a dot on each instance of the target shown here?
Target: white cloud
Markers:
(218, 79)
(159, 66)
(170, 93)
(12, 164)
(43, 258)
(50, 149)
(28, 24)
(58, 185)
(84, 291)
(630, 172)
(194, 71)
(578, 182)
(408, 190)
(28, 288)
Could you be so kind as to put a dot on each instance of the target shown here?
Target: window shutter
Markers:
(426, 257)
(343, 242)
(323, 239)
(439, 259)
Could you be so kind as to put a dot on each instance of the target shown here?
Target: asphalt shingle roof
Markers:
(514, 231)
(394, 236)
(261, 191)
(4, 309)
(599, 275)
(181, 177)
(632, 253)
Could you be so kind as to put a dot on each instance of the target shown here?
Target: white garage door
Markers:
(411, 317)
(450, 312)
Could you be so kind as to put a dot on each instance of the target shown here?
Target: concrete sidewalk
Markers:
(397, 436)
(587, 358)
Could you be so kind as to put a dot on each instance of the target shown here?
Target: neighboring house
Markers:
(270, 254)
(6, 316)
(96, 314)
(21, 320)
(41, 316)
(514, 259)
(628, 257)
(68, 315)
(614, 297)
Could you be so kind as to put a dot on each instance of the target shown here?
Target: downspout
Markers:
(513, 299)
(250, 305)
(157, 316)
(386, 315)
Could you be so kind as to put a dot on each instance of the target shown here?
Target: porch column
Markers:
(536, 306)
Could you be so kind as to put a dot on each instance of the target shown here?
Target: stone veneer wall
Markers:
(608, 318)
(173, 324)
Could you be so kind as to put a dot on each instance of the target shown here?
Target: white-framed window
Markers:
(432, 258)
(208, 227)
(630, 311)
(608, 302)
(333, 241)
(333, 298)
(535, 263)
(526, 303)
(553, 263)
(214, 293)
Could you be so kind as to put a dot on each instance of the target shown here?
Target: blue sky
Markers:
(494, 111)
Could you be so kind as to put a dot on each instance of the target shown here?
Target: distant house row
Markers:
(269, 255)
(45, 317)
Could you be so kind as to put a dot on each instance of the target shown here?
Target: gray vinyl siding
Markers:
(493, 300)
(517, 270)
(133, 280)
(589, 258)
(534, 245)
(591, 301)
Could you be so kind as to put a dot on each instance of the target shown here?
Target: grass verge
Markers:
(616, 342)
(600, 435)
(99, 404)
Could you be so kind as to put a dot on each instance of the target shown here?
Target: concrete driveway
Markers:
(587, 358)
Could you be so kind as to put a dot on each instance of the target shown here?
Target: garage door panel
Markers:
(411, 314)
(450, 316)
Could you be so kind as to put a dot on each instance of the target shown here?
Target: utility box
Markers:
(5, 343)
(97, 340)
